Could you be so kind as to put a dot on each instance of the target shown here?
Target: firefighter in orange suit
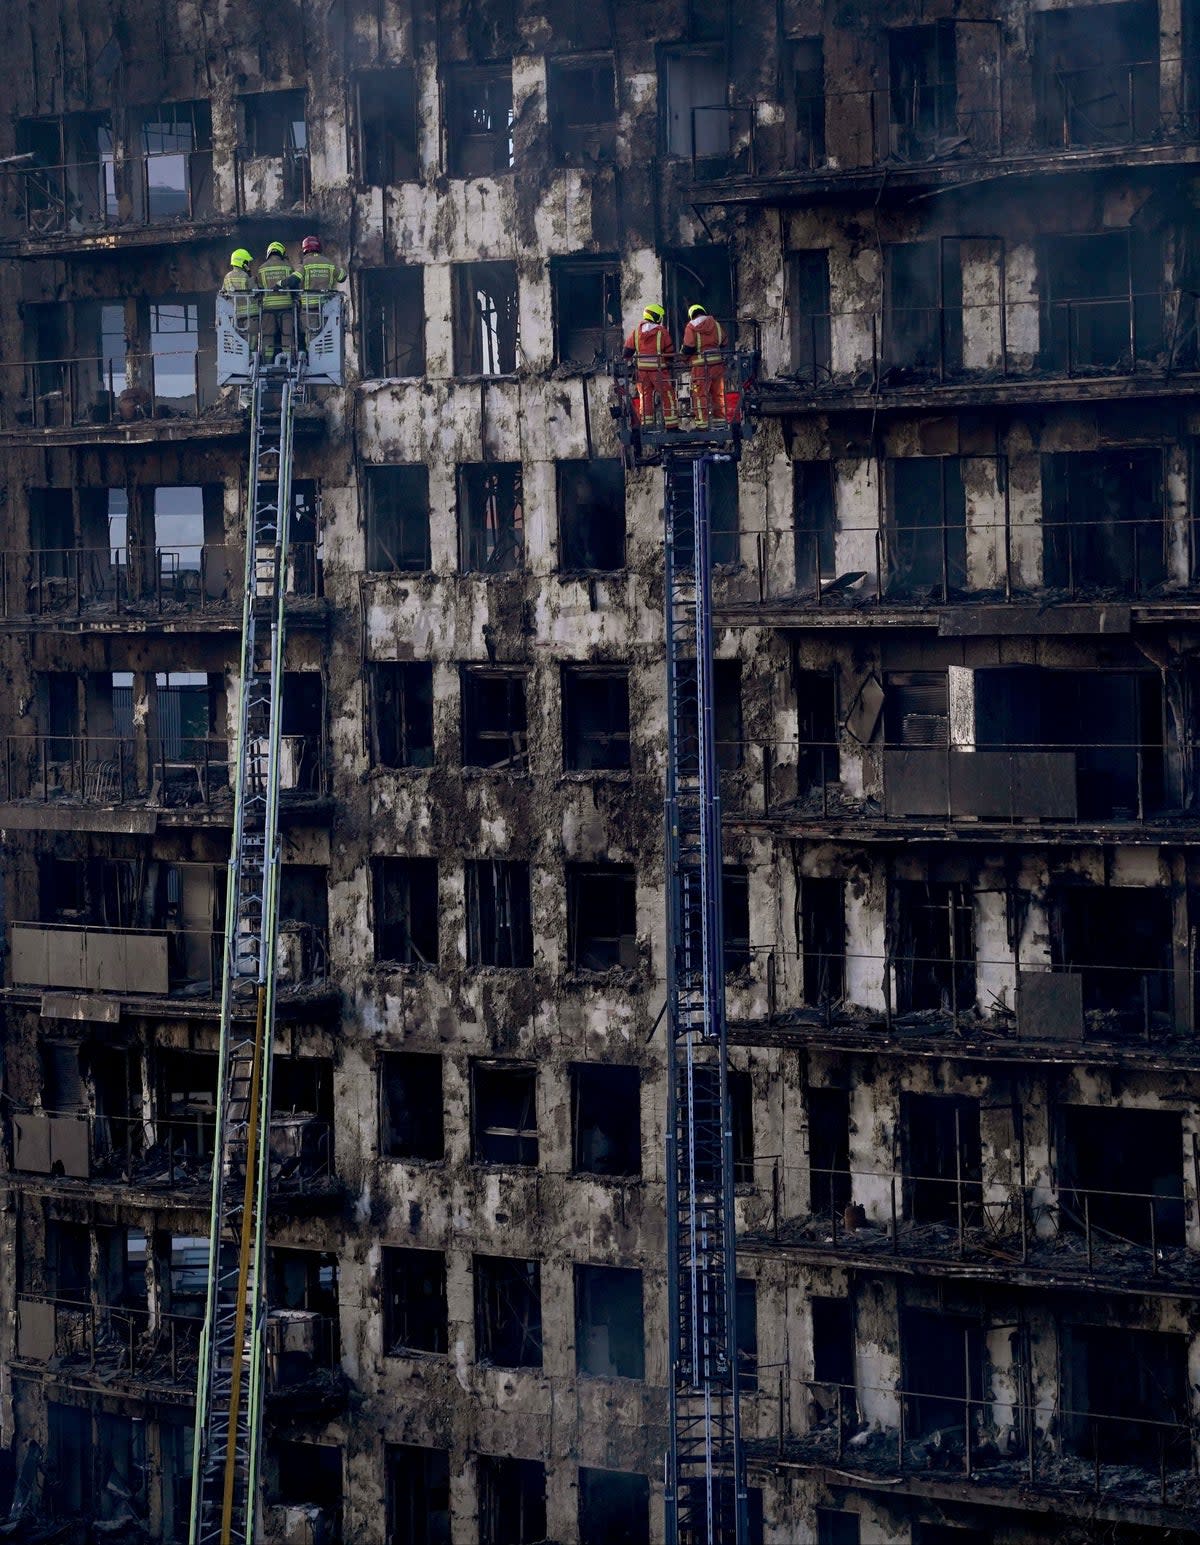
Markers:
(654, 349)
(703, 347)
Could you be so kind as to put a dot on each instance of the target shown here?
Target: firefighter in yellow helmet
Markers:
(239, 282)
(704, 347)
(279, 284)
(651, 345)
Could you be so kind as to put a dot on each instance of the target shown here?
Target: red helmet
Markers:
(311, 244)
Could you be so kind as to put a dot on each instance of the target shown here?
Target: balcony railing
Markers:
(115, 581)
(108, 1341)
(152, 189)
(113, 389)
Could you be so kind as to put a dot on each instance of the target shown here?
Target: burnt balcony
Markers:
(305, 1379)
(108, 1343)
(111, 391)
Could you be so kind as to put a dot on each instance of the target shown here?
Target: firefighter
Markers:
(279, 284)
(704, 346)
(318, 278)
(239, 282)
(654, 349)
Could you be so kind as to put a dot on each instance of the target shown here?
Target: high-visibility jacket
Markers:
(318, 276)
(705, 339)
(278, 281)
(652, 344)
(237, 282)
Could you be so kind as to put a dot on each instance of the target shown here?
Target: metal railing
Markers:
(108, 389)
(109, 194)
(108, 1339)
(299, 1345)
(55, 582)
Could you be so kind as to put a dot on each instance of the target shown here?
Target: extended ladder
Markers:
(705, 1482)
(229, 1390)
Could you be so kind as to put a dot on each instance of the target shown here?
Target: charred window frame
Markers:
(805, 64)
(479, 120)
(587, 310)
(1096, 75)
(933, 946)
(926, 527)
(613, 1505)
(412, 1121)
(591, 515)
(504, 1127)
(606, 1119)
(512, 1500)
(829, 1184)
(746, 1333)
(944, 1358)
(495, 730)
(943, 1158)
(392, 302)
(814, 522)
(694, 92)
(499, 925)
(418, 1495)
(68, 174)
(817, 759)
(386, 121)
(1120, 1172)
(405, 892)
(176, 166)
(595, 719)
(401, 713)
(707, 274)
(601, 917)
(836, 1527)
(273, 123)
(1117, 939)
(1104, 519)
(415, 1316)
(610, 1339)
(582, 100)
(1125, 1396)
(823, 939)
(491, 517)
(487, 321)
(1101, 297)
(397, 510)
(508, 1312)
(922, 311)
(922, 89)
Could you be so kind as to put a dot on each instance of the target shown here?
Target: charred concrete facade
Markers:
(958, 601)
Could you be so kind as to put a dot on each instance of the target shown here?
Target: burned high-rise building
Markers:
(957, 583)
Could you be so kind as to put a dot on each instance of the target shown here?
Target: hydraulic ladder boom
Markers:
(229, 1389)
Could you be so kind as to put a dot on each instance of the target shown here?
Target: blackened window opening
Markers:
(499, 931)
(823, 939)
(508, 1312)
(491, 517)
(806, 102)
(1101, 301)
(746, 1326)
(479, 120)
(1125, 1394)
(406, 910)
(412, 1118)
(504, 1114)
(609, 1338)
(595, 719)
(816, 730)
(943, 1358)
(727, 715)
(933, 953)
(401, 713)
(591, 515)
(1096, 74)
(922, 311)
(927, 527)
(494, 726)
(1118, 940)
(587, 310)
(601, 917)
(486, 319)
(393, 313)
(613, 1506)
(1120, 1173)
(606, 1119)
(828, 1150)
(922, 91)
(582, 101)
(274, 123)
(397, 500)
(415, 1316)
(814, 523)
(512, 1501)
(387, 126)
(1102, 520)
(942, 1158)
(418, 1495)
(707, 1103)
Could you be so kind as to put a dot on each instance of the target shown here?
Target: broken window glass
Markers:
(415, 1317)
(806, 102)
(922, 311)
(397, 500)
(591, 515)
(508, 1312)
(927, 527)
(418, 1495)
(494, 727)
(486, 319)
(613, 1506)
(176, 144)
(601, 917)
(499, 931)
(479, 120)
(512, 1501)
(942, 1158)
(695, 90)
(393, 312)
(491, 517)
(595, 718)
(1103, 520)
(606, 1119)
(1096, 74)
(933, 953)
(387, 128)
(504, 1113)
(401, 713)
(609, 1339)
(412, 1120)
(587, 310)
(405, 891)
(67, 176)
(922, 96)
(582, 100)
(274, 123)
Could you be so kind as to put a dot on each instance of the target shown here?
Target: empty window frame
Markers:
(415, 1317)
(591, 515)
(609, 1337)
(834, 1354)
(1117, 938)
(817, 759)
(491, 517)
(835, 1527)
(1103, 520)
(273, 123)
(810, 323)
(805, 66)
(418, 1495)
(704, 274)
(411, 1112)
(1120, 1170)
(814, 523)
(512, 1500)
(944, 1361)
(922, 311)
(587, 309)
(393, 321)
(942, 1158)
(922, 90)
(405, 892)
(176, 145)
(494, 722)
(69, 180)
(933, 949)
(1125, 1396)
(504, 1114)
(828, 1149)
(1101, 301)
(401, 713)
(601, 917)
(508, 1312)
(486, 319)
(309, 1475)
(387, 126)
(823, 939)
(1096, 74)
(582, 100)
(397, 507)
(606, 1119)
(595, 718)
(927, 527)
(479, 120)
(695, 95)
(735, 913)
(613, 1506)
(746, 1325)
(499, 929)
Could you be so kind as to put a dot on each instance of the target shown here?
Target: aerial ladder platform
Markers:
(230, 1380)
(705, 1486)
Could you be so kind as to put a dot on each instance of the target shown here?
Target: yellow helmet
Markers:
(241, 258)
(696, 311)
(277, 249)
(654, 313)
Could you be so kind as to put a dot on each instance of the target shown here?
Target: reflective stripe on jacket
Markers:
(236, 283)
(320, 275)
(652, 344)
(270, 275)
(705, 337)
